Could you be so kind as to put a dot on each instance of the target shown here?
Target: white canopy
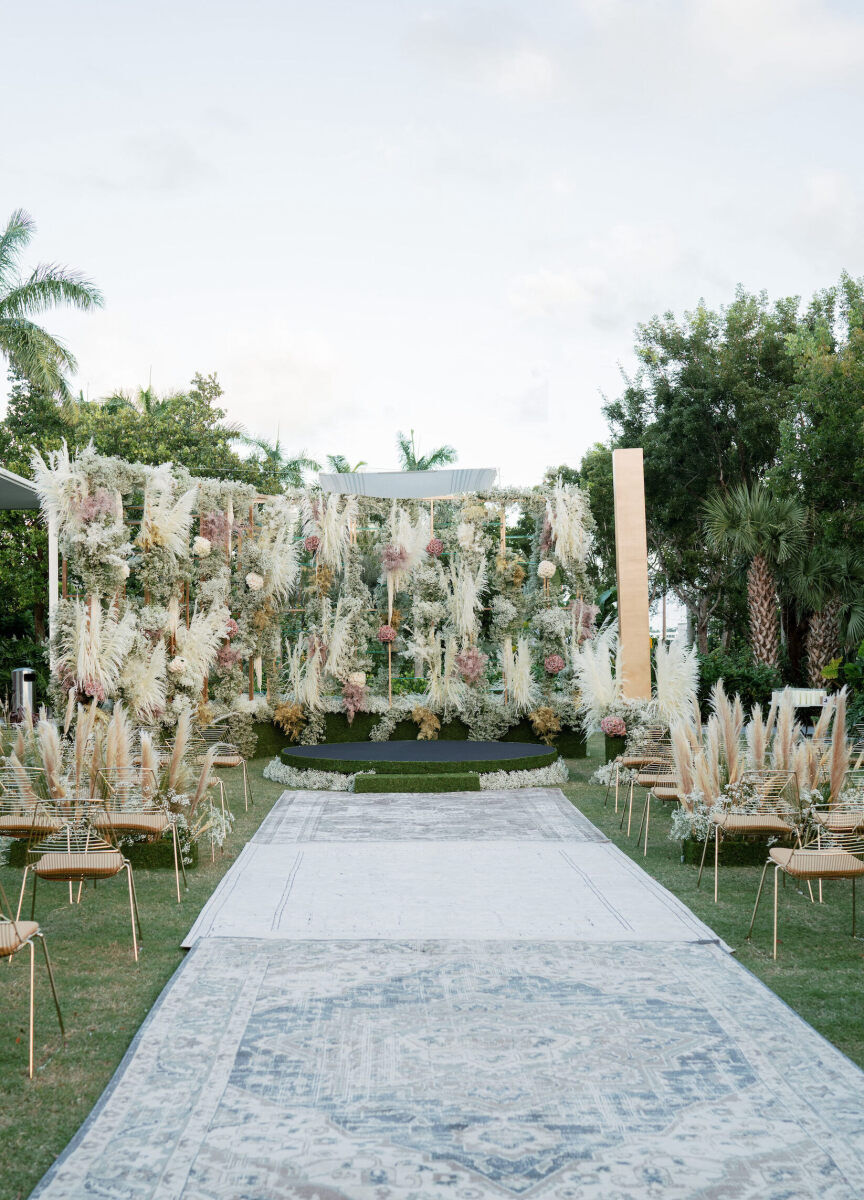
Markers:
(409, 485)
(16, 492)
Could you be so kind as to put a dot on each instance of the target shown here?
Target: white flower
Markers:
(254, 581)
(201, 547)
(177, 665)
(124, 571)
(545, 569)
(357, 678)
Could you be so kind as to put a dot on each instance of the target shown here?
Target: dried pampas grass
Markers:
(786, 733)
(682, 756)
(166, 522)
(568, 514)
(841, 751)
(676, 672)
(176, 770)
(51, 754)
(96, 646)
(144, 682)
(149, 776)
(203, 779)
(592, 667)
(467, 588)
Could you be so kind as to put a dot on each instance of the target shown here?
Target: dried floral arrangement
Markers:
(187, 595)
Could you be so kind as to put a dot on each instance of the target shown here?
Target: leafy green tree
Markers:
(410, 460)
(828, 584)
(271, 457)
(707, 405)
(29, 349)
(341, 466)
(768, 530)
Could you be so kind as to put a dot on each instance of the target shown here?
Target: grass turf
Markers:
(819, 967)
(104, 994)
(467, 781)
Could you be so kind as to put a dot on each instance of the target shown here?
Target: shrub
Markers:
(753, 682)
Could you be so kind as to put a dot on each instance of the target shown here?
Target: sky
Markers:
(371, 215)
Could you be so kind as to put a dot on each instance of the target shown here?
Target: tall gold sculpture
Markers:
(631, 557)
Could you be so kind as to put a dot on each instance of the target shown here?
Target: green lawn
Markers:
(820, 968)
(104, 994)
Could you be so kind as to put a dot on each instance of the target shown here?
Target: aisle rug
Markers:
(379, 1070)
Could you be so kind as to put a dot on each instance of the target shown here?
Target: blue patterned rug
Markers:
(375, 1070)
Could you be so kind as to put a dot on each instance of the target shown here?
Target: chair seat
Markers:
(13, 935)
(75, 865)
(636, 760)
(227, 760)
(732, 822)
(833, 863)
(23, 826)
(129, 821)
(649, 779)
(840, 821)
(667, 793)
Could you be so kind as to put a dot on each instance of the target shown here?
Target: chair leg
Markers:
(50, 969)
(21, 897)
(776, 893)
(647, 821)
(853, 906)
(246, 795)
(630, 809)
(32, 1000)
(176, 867)
(716, 860)
(702, 863)
(642, 819)
(133, 912)
(758, 898)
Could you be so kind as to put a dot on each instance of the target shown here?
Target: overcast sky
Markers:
(368, 215)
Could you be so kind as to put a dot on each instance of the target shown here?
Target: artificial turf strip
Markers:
(452, 781)
(345, 766)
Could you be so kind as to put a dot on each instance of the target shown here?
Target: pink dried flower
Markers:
(554, 663)
(216, 527)
(471, 664)
(352, 696)
(386, 633)
(231, 628)
(92, 687)
(435, 547)
(312, 543)
(226, 658)
(613, 727)
(100, 504)
(394, 558)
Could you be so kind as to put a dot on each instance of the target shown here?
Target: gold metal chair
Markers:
(664, 786)
(128, 809)
(227, 756)
(76, 853)
(640, 756)
(25, 815)
(657, 759)
(773, 811)
(14, 936)
(828, 855)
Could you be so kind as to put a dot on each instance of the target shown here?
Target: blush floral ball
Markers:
(254, 581)
(554, 663)
(435, 547)
(357, 679)
(613, 727)
(386, 633)
(201, 547)
(312, 543)
(231, 628)
(545, 569)
(177, 665)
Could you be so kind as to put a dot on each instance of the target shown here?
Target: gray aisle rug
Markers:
(376, 1070)
(510, 864)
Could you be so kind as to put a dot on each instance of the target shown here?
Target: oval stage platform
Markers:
(415, 757)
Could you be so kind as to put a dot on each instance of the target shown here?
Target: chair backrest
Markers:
(774, 791)
(24, 783)
(128, 786)
(75, 836)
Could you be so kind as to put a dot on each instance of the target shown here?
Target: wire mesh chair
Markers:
(73, 854)
(640, 756)
(227, 756)
(14, 936)
(661, 781)
(774, 810)
(127, 808)
(25, 813)
(827, 854)
(657, 758)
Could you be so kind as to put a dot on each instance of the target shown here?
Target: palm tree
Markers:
(340, 465)
(411, 462)
(768, 530)
(29, 349)
(828, 583)
(289, 471)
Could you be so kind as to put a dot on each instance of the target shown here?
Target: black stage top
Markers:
(442, 755)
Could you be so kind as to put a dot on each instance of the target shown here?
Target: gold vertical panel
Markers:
(631, 558)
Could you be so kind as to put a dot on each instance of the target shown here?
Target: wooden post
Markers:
(65, 579)
(251, 679)
(631, 557)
